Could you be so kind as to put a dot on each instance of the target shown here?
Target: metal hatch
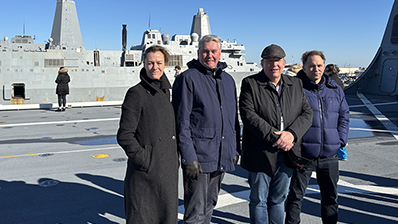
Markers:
(388, 81)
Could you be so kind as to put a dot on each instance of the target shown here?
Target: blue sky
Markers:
(349, 32)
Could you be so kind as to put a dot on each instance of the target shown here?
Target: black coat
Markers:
(62, 83)
(260, 110)
(335, 77)
(147, 135)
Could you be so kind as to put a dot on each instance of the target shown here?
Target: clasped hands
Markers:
(285, 141)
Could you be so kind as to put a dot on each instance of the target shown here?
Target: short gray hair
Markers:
(209, 38)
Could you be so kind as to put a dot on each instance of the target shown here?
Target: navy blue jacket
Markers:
(330, 121)
(205, 105)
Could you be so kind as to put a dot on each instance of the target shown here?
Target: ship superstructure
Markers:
(28, 70)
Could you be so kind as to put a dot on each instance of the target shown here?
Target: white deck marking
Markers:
(383, 119)
(58, 122)
(61, 152)
(373, 130)
(343, 187)
(376, 104)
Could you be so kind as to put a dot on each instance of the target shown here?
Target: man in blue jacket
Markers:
(205, 104)
(329, 132)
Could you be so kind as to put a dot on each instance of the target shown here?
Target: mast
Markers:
(201, 24)
(66, 29)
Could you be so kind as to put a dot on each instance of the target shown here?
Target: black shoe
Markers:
(63, 109)
(58, 110)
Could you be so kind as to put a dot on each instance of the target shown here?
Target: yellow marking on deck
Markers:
(64, 152)
(99, 156)
(3, 157)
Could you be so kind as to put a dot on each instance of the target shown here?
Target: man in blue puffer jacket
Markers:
(329, 132)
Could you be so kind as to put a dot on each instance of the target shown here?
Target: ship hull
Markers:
(90, 85)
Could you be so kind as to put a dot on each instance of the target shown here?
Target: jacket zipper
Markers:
(321, 117)
(222, 120)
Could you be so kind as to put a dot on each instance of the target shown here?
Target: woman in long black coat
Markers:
(147, 135)
(62, 87)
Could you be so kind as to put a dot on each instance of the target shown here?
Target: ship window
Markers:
(184, 42)
(153, 36)
(129, 57)
(18, 90)
(175, 60)
(394, 33)
(36, 63)
(53, 62)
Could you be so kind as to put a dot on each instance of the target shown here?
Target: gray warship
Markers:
(28, 69)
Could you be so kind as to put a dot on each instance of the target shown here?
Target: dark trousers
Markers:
(200, 197)
(327, 175)
(61, 100)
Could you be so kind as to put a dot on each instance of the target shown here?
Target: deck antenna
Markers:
(149, 23)
(95, 37)
(23, 26)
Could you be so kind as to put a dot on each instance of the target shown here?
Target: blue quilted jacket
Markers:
(330, 121)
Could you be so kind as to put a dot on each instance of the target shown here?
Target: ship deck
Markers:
(66, 167)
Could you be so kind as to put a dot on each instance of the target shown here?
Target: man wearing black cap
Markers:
(275, 115)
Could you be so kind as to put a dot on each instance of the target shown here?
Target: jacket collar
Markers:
(216, 72)
(307, 84)
(164, 81)
(263, 80)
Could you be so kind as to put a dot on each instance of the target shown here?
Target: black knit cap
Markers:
(273, 51)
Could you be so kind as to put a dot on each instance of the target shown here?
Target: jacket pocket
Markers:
(142, 160)
(204, 133)
(205, 143)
